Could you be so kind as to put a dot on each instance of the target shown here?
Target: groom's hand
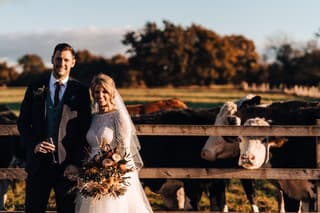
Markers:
(71, 172)
(44, 147)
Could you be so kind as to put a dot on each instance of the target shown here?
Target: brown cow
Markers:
(154, 106)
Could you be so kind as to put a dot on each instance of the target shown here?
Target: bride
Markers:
(112, 124)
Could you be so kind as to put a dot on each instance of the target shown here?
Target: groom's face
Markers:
(62, 62)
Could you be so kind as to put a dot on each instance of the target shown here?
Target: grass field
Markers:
(194, 98)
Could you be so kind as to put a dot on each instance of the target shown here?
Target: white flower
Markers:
(39, 91)
(116, 157)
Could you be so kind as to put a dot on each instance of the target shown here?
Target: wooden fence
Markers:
(208, 130)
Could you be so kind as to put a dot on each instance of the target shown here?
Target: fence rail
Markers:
(199, 173)
(205, 130)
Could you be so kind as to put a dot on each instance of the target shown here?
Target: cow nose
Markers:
(205, 154)
(247, 158)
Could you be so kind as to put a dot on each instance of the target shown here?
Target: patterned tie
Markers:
(56, 92)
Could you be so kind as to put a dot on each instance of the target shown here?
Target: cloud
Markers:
(104, 42)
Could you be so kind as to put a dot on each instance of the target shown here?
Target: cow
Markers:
(11, 152)
(219, 147)
(155, 106)
(179, 151)
(280, 113)
(254, 154)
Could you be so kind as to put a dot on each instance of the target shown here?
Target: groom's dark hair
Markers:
(64, 46)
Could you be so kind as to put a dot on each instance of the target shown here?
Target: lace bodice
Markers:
(105, 128)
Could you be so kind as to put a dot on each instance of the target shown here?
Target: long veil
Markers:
(134, 153)
(134, 141)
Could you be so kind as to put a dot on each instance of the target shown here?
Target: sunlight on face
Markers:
(102, 98)
(62, 62)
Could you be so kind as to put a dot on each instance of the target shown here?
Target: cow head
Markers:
(249, 100)
(223, 147)
(254, 150)
(216, 147)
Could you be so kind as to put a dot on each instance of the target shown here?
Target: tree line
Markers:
(172, 55)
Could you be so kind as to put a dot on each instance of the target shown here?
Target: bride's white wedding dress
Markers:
(103, 127)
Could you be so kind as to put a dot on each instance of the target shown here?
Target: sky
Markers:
(36, 26)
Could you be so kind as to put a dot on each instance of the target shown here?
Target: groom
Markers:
(54, 118)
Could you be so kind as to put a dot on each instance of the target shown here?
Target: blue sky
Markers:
(35, 26)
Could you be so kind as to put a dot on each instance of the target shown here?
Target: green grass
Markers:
(199, 97)
(235, 195)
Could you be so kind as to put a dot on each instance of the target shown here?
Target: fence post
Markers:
(318, 166)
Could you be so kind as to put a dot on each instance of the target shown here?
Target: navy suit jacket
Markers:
(74, 123)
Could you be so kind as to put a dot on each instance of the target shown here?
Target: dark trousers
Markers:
(38, 188)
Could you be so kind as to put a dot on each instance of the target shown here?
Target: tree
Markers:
(89, 65)
(32, 68)
(208, 57)
(307, 71)
(246, 59)
(195, 55)
(31, 63)
(7, 74)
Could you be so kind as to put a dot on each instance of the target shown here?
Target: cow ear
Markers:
(256, 100)
(277, 142)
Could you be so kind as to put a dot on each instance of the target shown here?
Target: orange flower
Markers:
(104, 175)
(122, 167)
(94, 170)
(111, 180)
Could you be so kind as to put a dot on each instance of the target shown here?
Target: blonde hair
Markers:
(107, 83)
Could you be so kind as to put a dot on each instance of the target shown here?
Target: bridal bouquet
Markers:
(104, 174)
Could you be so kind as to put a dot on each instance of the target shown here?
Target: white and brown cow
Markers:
(254, 154)
(219, 147)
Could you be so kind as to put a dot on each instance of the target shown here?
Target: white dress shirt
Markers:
(52, 87)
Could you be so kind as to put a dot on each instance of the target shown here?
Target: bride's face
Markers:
(102, 98)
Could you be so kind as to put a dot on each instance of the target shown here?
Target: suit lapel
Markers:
(46, 92)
